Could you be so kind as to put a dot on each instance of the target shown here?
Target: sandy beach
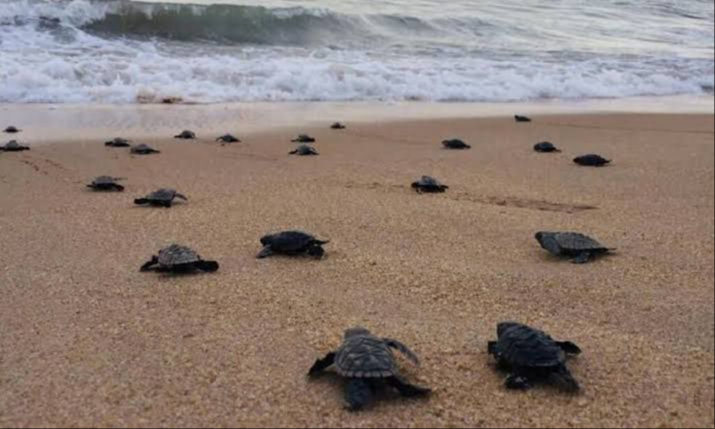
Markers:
(88, 340)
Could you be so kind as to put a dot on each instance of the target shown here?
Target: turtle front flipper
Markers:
(569, 348)
(150, 265)
(407, 389)
(402, 349)
(358, 393)
(207, 266)
(265, 252)
(181, 197)
(517, 381)
(583, 258)
(493, 348)
(141, 201)
(562, 378)
(117, 187)
(321, 365)
(316, 251)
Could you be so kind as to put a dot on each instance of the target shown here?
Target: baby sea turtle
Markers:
(304, 150)
(571, 245)
(338, 126)
(161, 198)
(117, 142)
(303, 138)
(519, 118)
(546, 147)
(179, 259)
(106, 183)
(186, 135)
(143, 149)
(13, 146)
(531, 356)
(291, 243)
(429, 185)
(455, 144)
(592, 161)
(12, 130)
(367, 362)
(228, 138)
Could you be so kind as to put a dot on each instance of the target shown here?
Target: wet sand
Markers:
(87, 340)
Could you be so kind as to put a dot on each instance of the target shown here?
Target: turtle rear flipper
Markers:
(150, 265)
(207, 266)
(583, 258)
(322, 364)
(406, 389)
(358, 393)
(402, 349)
(562, 378)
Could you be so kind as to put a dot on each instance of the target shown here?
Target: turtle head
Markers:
(505, 326)
(542, 235)
(356, 332)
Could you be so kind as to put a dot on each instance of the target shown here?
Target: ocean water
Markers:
(206, 51)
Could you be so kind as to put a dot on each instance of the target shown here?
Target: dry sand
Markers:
(87, 340)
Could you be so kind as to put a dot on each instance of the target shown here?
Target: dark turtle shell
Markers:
(521, 346)
(106, 183)
(429, 184)
(143, 149)
(455, 144)
(364, 355)
(520, 118)
(337, 126)
(303, 138)
(186, 135)
(304, 150)
(117, 142)
(571, 242)
(592, 160)
(545, 147)
(12, 130)
(163, 195)
(14, 146)
(289, 241)
(176, 255)
(228, 138)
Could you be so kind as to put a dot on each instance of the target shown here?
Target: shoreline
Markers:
(90, 122)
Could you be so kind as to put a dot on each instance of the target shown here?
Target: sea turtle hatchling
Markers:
(303, 138)
(13, 146)
(428, 184)
(521, 119)
(106, 183)
(228, 138)
(530, 356)
(367, 362)
(546, 147)
(455, 144)
(186, 135)
(179, 259)
(338, 126)
(572, 245)
(304, 150)
(117, 142)
(291, 243)
(161, 198)
(143, 149)
(12, 130)
(592, 160)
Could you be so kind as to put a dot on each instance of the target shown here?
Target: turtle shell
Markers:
(575, 242)
(365, 356)
(525, 347)
(142, 148)
(288, 241)
(11, 130)
(14, 146)
(162, 195)
(305, 150)
(175, 255)
(104, 180)
(117, 142)
(428, 182)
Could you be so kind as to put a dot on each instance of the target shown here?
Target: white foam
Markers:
(74, 66)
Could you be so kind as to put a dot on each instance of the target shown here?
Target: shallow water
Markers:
(345, 50)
